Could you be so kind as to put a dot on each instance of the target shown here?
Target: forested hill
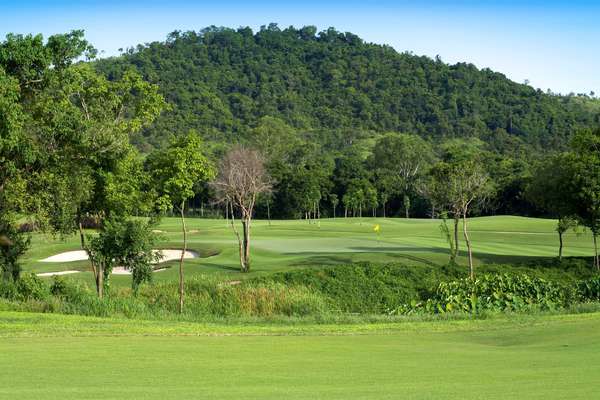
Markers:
(339, 88)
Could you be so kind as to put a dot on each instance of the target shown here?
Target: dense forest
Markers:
(338, 89)
(319, 105)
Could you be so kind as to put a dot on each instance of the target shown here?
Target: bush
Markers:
(500, 292)
(365, 287)
(589, 290)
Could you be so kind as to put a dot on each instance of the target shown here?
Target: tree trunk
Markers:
(432, 211)
(560, 245)
(456, 249)
(269, 212)
(99, 271)
(383, 209)
(181, 283)
(407, 206)
(240, 243)
(333, 212)
(468, 242)
(345, 212)
(596, 260)
(246, 243)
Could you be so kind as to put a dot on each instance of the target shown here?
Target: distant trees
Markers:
(405, 159)
(242, 178)
(176, 172)
(583, 166)
(549, 189)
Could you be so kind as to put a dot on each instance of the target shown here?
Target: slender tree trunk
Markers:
(468, 242)
(240, 243)
(181, 282)
(226, 213)
(560, 245)
(432, 211)
(383, 210)
(456, 247)
(246, 243)
(100, 281)
(345, 212)
(269, 212)
(333, 212)
(407, 206)
(596, 259)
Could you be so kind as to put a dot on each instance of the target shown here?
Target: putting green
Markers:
(287, 244)
(60, 357)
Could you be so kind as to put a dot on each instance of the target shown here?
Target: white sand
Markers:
(58, 273)
(80, 255)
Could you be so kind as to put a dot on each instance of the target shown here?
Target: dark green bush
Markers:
(501, 292)
(589, 289)
(368, 288)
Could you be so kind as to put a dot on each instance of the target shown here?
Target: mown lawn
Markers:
(291, 244)
(527, 357)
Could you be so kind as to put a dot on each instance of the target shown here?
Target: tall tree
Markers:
(549, 189)
(583, 165)
(406, 158)
(176, 172)
(464, 183)
(242, 178)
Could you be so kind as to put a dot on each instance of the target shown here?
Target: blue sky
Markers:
(553, 44)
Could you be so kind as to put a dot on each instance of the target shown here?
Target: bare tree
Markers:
(242, 177)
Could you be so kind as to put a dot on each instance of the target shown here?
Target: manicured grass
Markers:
(70, 357)
(290, 244)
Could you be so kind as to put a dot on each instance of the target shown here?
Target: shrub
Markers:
(500, 292)
(31, 287)
(589, 290)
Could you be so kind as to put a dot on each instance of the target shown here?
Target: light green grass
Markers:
(291, 244)
(70, 357)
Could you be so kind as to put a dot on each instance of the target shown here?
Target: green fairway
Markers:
(287, 244)
(60, 357)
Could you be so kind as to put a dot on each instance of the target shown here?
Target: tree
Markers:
(463, 184)
(242, 178)
(583, 166)
(176, 172)
(404, 157)
(126, 243)
(549, 189)
(334, 200)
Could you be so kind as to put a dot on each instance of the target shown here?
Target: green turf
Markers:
(70, 357)
(289, 244)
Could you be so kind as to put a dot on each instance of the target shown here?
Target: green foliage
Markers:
(500, 293)
(589, 289)
(178, 169)
(127, 243)
(13, 244)
(223, 82)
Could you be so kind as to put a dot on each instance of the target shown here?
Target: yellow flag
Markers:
(376, 228)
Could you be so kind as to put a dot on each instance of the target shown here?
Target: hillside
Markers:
(338, 88)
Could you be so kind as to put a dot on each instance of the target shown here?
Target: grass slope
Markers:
(59, 357)
(287, 244)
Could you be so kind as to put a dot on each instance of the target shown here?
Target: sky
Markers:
(551, 44)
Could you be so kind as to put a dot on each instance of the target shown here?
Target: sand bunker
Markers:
(80, 255)
(58, 273)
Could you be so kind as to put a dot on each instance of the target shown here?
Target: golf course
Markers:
(206, 201)
(517, 356)
(284, 245)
